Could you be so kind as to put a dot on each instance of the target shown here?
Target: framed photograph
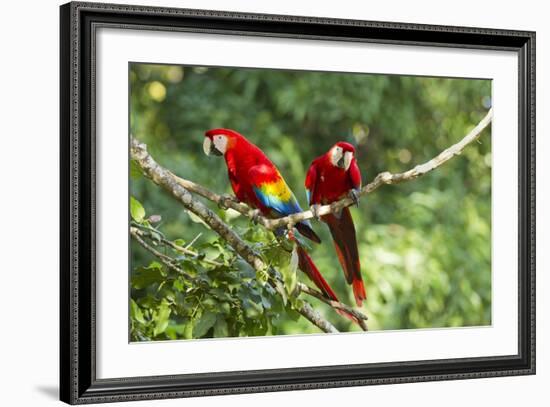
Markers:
(256, 203)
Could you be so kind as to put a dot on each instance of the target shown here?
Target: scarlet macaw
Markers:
(257, 182)
(331, 177)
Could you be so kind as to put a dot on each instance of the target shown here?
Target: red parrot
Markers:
(331, 177)
(257, 182)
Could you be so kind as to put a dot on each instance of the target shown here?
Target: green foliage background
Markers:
(424, 245)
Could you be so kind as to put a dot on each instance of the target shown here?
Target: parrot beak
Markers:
(209, 148)
(348, 156)
(341, 163)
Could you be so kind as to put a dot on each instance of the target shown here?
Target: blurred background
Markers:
(425, 245)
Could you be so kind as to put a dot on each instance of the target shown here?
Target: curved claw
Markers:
(354, 195)
(255, 215)
(315, 210)
(225, 199)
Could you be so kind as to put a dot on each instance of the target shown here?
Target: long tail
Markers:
(343, 233)
(305, 263)
(305, 229)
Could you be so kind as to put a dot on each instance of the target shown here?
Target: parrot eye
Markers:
(337, 156)
(220, 143)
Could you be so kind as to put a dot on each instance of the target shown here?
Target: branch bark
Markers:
(386, 177)
(166, 260)
(180, 188)
(184, 250)
(316, 319)
(166, 180)
(361, 318)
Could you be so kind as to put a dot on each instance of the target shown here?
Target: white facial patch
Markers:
(220, 142)
(336, 155)
(219, 147)
(348, 156)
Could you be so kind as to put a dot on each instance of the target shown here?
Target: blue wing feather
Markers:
(278, 197)
(273, 202)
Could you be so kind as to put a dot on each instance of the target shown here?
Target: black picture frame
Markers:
(78, 382)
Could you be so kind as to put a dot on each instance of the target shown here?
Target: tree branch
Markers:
(226, 202)
(166, 180)
(361, 318)
(388, 178)
(316, 319)
(166, 260)
(148, 232)
(180, 188)
(223, 201)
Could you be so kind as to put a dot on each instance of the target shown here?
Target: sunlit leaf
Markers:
(161, 319)
(136, 210)
(135, 312)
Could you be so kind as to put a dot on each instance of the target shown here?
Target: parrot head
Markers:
(219, 141)
(341, 155)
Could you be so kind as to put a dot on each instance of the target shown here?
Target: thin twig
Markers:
(361, 318)
(192, 242)
(306, 310)
(223, 201)
(185, 250)
(167, 261)
(315, 318)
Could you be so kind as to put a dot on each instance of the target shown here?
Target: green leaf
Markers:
(289, 272)
(252, 310)
(282, 291)
(135, 312)
(207, 320)
(179, 242)
(196, 219)
(296, 303)
(225, 308)
(220, 328)
(209, 302)
(293, 315)
(161, 318)
(136, 210)
(262, 276)
(266, 302)
(178, 285)
(146, 276)
(277, 256)
(155, 265)
(135, 170)
(188, 330)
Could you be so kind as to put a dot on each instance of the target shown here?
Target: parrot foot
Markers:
(225, 200)
(255, 215)
(354, 195)
(315, 211)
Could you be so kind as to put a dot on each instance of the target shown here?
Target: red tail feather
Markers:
(343, 233)
(359, 291)
(305, 263)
